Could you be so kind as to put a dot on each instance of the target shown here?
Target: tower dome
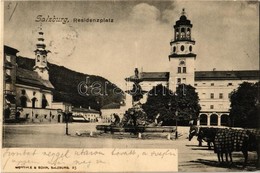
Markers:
(182, 56)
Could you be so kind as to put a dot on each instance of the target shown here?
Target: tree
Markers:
(187, 103)
(158, 103)
(245, 105)
(163, 101)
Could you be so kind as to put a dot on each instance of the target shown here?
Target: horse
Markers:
(230, 140)
(203, 134)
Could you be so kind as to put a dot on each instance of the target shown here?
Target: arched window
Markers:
(214, 120)
(182, 32)
(44, 59)
(38, 58)
(224, 120)
(190, 48)
(34, 99)
(174, 49)
(203, 119)
(44, 101)
(177, 33)
(23, 101)
(188, 32)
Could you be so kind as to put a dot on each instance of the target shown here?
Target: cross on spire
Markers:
(183, 11)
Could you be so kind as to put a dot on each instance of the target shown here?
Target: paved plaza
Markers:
(191, 157)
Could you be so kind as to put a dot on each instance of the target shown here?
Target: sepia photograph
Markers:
(130, 86)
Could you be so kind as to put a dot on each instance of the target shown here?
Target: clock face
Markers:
(182, 62)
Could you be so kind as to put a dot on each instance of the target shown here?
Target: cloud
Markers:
(145, 13)
(226, 35)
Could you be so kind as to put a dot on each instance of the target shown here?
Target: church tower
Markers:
(41, 57)
(182, 57)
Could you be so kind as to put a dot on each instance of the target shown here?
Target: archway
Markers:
(203, 119)
(224, 120)
(214, 120)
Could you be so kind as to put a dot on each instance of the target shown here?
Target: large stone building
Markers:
(28, 94)
(213, 87)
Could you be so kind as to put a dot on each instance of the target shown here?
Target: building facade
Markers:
(28, 94)
(213, 87)
(9, 81)
(83, 114)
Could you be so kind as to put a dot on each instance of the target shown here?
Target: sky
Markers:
(226, 34)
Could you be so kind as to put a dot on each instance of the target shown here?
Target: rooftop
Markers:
(31, 78)
(151, 76)
(227, 75)
(84, 110)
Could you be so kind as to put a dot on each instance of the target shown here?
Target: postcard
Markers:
(130, 86)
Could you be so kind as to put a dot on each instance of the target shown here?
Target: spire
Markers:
(41, 56)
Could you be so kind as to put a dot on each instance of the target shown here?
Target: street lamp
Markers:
(176, 124)
(67, 119)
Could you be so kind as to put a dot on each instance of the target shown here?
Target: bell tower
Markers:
(41, 57)
(182, 57)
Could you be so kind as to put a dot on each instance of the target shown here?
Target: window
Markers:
(212, 95)
(221, 95)
(178, 80)
(174, 49)
(212, 84)
(44, 59)
(230, 84)
(23, 92)
(184, 80)
(184, 70)
(179, 69)
(34, 100)
(190, 48)
(23, 101)
(8, 58)
(211, 106)
(182, 62)
(182, 48)
(195, 84)
(8, 72)
(38, 58)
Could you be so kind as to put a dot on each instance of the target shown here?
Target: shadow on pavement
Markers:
(251, 166)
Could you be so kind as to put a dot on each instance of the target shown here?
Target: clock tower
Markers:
(41, 57)
(182, 57)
